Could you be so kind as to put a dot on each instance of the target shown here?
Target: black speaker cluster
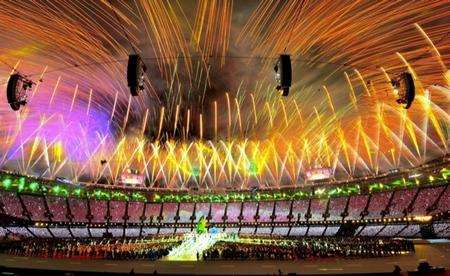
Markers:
(135, 74)
(17, 89)
(283, 74)
(404, 84)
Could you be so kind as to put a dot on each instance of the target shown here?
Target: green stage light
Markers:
(253, 168)
(77, 192)
(156, 197)
(34, 186)
(7, 183)
(195, 171)
(21, 185)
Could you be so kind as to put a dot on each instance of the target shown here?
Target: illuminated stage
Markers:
(194, 244)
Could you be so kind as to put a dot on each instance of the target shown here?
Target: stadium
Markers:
(221, 137)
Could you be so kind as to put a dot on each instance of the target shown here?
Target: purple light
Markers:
(78, 131)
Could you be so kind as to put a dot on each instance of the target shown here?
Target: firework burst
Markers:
(210, 117)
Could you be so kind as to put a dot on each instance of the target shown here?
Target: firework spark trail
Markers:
(164, 27)
(58, 26)
(349, 124)
(358, 35)
(211, 31)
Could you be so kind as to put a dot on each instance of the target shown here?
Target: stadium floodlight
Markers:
(135, 74)
(404, 85)
(283, 73)
(16, 90)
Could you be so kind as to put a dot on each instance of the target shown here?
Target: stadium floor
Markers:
(436, 254)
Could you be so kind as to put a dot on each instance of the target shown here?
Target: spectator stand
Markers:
(442, 202)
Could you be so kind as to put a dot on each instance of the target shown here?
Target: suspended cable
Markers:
(7, 64)
(151, 59)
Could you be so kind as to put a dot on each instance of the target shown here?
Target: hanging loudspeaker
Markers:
(283, 70)
(406, 89)
(135, 74)
(16, 90)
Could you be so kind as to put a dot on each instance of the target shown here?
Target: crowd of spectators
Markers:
(401, 200)
(369, 230)
(378, 204)
(246, 249)
(309, 248)
(356, 206)
(117, 211)
(391, 230)
(87, 249)
(425, 199)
